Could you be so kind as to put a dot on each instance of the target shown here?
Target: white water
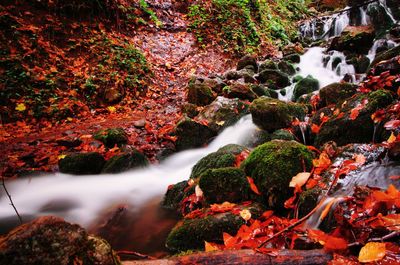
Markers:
(379, 43)
(88, 195)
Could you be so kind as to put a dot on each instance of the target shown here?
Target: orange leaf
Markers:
(210, 246)
(315, 128)
(354, 113)
(253, 186)
(221, 208)
(372, 251)
(229, 241)
(322, 163)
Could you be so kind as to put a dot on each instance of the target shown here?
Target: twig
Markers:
(134, 255)
(10, 199)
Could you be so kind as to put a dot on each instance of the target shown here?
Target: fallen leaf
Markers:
(20, 107)
(253, 186)
(210, 246)
(245, 214)
(372, 251)
(300, 179)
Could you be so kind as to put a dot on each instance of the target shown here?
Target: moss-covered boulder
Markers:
(336, 92)
(282, 135)
(200, 92)
(354, 39)
(125, 161)
(391, 65)
(287, 67)
(51, 240)
(272, 114)
(222, 112)
(190, 110)
(82, 163)
(245, 61)
(268, 65)
(224, 184)
(386, 55)
(258, 137)
(239, 90)
(345, 127)
(272, 166)
(175, 195)
(111, 137)
(294, 58)
(223, 157)
(360, 63)
(190, 234)
(305, 86)
(260, 90)
(191, 134)
(308, 200)
(275, 79)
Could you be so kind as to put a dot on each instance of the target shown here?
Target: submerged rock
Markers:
(51, 240)
(272, 114)
(272, 166)
(82, 164)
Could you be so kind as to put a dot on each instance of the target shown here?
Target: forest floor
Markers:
(173, 55)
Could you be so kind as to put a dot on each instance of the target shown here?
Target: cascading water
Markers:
(80, 198)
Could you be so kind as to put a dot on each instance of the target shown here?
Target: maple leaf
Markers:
(253, 186)
(322, 163)
(372, 251)
(20, 107)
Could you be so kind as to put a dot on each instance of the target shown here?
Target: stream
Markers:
(85, 199)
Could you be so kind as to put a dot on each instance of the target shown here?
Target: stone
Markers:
(246, 61)
(274, 78)
(111, 137)
(305, 86)
(354, 39)
(125, 161)
(336, 92)
(191, 134)
(82, 163)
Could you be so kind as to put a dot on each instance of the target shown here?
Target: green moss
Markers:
(224, 184)
(305, 86)
(337, 92)
(191, 134)
(111, 137)
(379, 99)
(174, 196)
(282, 135)
(308, 200)
(200, 94)
(123, 162)
(272, 166)
(81, 164)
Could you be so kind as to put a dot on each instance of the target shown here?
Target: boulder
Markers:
(380, 19)
(272, 166)
(294, 58)
(272, 114)
(305, 86)
(386, 55)
(282, 135)
(274, 78)
(200, 92)
(190, 110)
(360, 63)
(191, 134)
(336, 92)
(354, 39)
(190, 234)
(239, 90)
(125, 161)
(391, 65)
(82, 163)
(286, 67)
(51, 240)
(345, 127)
(175, 194)
(224, 184)
(268, 65)
(111, 137)
(247, 60)
(223, 157)
(222, 112)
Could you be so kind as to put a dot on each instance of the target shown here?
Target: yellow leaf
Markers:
(392, 138)
(372, 251)
(111, 109)
(210, 247)
(61, 157)
(220, 123)
(245, 214)
(20, 107)
(300, 179)
(69, 119)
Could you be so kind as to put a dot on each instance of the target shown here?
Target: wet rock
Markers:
(224, 184)
(191, 233)
(386, 55)
(191, 134)
(69, 142)
(190, 110)
(344, 129)
(392, 65)
(175, 195)
(305, 86)
(360, 63)
(223, 157)
(123, 162)
(223, 112)
(286, 67)
(112, 137)
(354, 39)
(380, 19)
(51, 240)
(274, 78)
(247, 60)
(336, 92)
(282, 135)
(294, 58)
(260, 90)
(272, 114)
(239, 90)
(268, 65)
(82, 164)
(200, 92)
(258, 137)
(272, 166)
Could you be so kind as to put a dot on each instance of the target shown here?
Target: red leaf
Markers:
(253, 186)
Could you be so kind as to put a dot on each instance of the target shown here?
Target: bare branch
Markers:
(3, 182)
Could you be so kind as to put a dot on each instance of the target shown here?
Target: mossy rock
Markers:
(190, 110)
(245, 61)
(282, 135)
(125, 161)
(337, 92)
(223, 112)
(174, 195)
(260, 90)
(391, 65)
(190, 234)
(200, 93)
(354, 39)
(275, 79)
(268, 65)
(386, 55)
(258, 137)
(82, 164)
(224, 157)
(272, 114)
(308, 200)
(191, 134)
(305, 86)
(360, 63)
(224, 184)
(344, 130)
(111, 137)
(272, 166)
(240, 91)
(286, 67)
(294, 58)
